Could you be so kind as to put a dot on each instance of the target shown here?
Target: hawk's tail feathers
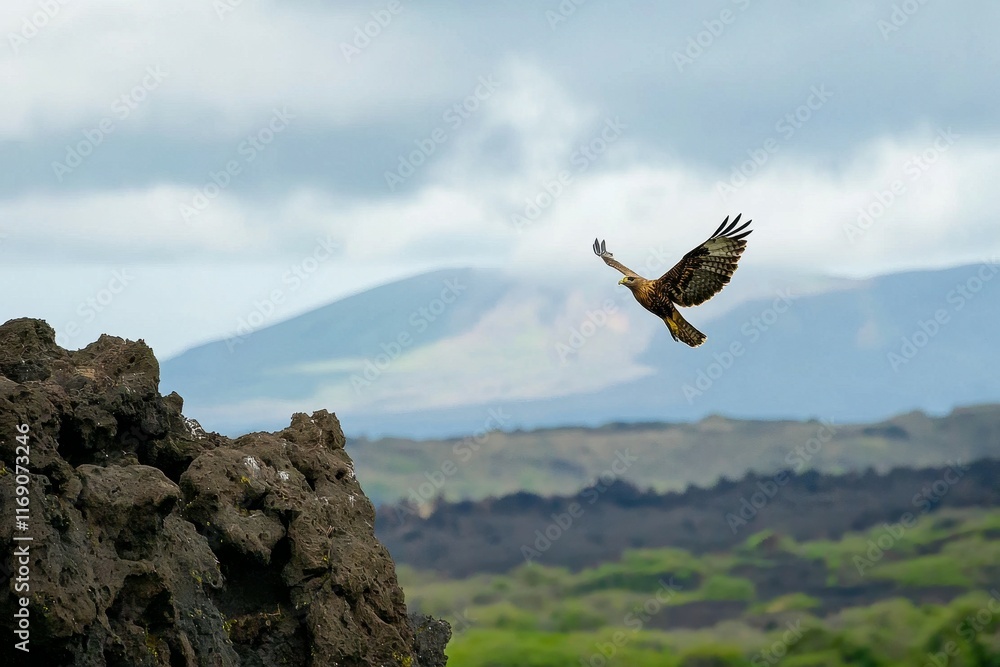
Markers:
(683, 331)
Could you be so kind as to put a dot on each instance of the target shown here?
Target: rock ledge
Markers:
(156, 543)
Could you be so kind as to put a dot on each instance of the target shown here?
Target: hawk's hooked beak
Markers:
(621, 282)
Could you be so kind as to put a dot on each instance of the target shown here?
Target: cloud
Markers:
(107, 226)
(223, 73)
(901, 201)
(512, 182)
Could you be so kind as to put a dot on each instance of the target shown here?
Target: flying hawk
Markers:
(699, 276)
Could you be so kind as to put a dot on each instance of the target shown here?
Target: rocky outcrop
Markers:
(156, 543)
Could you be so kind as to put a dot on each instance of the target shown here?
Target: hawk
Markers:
(699, 276)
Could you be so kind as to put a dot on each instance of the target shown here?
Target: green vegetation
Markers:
(931, 598)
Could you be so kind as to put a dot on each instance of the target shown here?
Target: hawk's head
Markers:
(629, 282)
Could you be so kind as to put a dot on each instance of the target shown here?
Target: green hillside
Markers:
(667, 457)
(929, 594)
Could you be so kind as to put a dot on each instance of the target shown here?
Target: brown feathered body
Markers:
(654, 299)
(699, 276)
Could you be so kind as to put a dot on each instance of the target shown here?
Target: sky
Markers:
(163, 165)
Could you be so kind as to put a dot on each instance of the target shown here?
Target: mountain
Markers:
(466, 350)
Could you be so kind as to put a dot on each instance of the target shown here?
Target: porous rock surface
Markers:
(156, 543)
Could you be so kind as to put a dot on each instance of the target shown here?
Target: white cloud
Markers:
(806, 214)
(223, 75)
(146, 224)
(462, 213)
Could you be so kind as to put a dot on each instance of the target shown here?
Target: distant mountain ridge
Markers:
(422, 359)
(662, 456)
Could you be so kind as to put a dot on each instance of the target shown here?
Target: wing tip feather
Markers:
(716, 233)
(732, 230)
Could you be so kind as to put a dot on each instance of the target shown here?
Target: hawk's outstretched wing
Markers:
(704, 271)
(601, 250)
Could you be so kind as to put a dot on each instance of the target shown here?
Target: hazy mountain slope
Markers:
(290, 360)
(828, 355)
(546, 352)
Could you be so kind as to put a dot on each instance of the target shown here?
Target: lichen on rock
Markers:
(156, 543)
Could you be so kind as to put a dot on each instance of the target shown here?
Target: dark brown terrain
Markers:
(155, 543)
(749, 522)
(460, 539)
